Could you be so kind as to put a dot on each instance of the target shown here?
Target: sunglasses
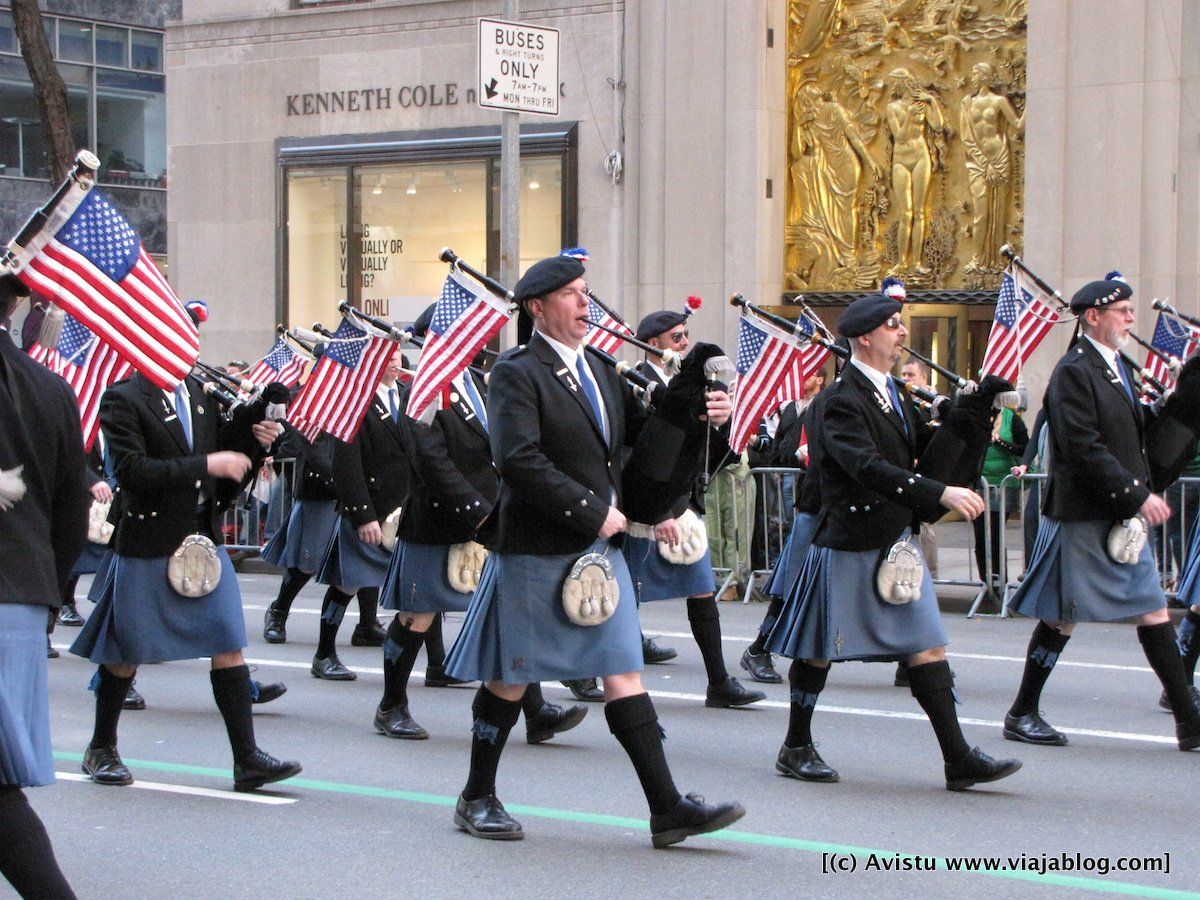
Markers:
(676, 336)
(894, 322)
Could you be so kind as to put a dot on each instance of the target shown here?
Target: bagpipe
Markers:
(668, 451)
(243, 400)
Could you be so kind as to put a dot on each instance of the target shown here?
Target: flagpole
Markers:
(83, 174)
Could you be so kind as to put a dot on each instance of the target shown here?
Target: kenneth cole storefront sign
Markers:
(374, 98)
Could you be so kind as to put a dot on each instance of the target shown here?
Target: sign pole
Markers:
(510, 181)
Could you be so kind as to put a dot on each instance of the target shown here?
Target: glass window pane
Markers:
(147, 51)
(316, 234)
(407, 214)
(8, 34)
(131, 128)
(112, 46)
(541, 209)
(74, 41)
(24, 150)
(48, 26)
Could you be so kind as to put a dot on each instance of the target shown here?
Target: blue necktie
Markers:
(589, 391)
(894, 396)
(392, 404)
(183, 411)
(475, 400)
(1125, 381)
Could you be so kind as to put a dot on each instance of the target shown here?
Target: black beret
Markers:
(1098, 294)
(547, 276)
(866, 314)
(421, 325)
(13, 286)
(657, 322)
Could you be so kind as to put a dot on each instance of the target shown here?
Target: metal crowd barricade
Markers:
(262, 506)
(771, 520)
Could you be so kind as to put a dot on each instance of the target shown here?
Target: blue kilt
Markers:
(103, 570)
(1189, 581)
(1072, 579)
(516, 631)
(90, 559)
(350, 564)
(26, 756)
(834, 613)
(654, 578)
(416, 580)
(791, 557)
(140, 619)
(301, 541)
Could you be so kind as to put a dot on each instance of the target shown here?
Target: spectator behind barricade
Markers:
(1010, 438)
(916, 373)
(237, 368)
(728, 514)
(771, 510)
(1033, 462)
(1182, 498)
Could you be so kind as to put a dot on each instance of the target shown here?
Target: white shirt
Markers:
(660, 371)
(382, 393)
(1109, 355)
(879, 380)
(570, 357)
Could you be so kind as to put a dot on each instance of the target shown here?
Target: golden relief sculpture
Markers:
(905, 154)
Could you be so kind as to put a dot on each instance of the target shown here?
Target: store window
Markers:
(23, 148)
(371, 233)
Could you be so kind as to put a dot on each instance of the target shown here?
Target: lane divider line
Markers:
(186, 789)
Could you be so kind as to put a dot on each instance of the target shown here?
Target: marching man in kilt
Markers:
(441, 539)
(371, 479)
(871, 494)
(1100, 474)
(558, 422)
(655, 578)
(178, 465)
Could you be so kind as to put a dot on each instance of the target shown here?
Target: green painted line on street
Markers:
(1128, 889)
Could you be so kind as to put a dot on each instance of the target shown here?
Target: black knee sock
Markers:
(1189, 643)
(231, 690)
(1158, 643)
(110, 694)
(494, 719)
(399, 654)
(68, 594)
(1044, 648)
(26, 855)
(807, 681)
(932, 684)
(768, 622)
(706, 629)
(634, 723)
(533, 700)
(368, 606)
(435, 649)
(333, 608)
(293, 581)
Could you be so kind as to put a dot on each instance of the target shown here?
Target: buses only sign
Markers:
(518, 67)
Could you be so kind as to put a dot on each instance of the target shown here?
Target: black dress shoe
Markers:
(368, 635)
(976, 768)
(652, 653)
(261, 768)
(51, 653)
(486, 818)
(552, 719)
(691, 815)
(804, 763)
(265, 693)
(103, 765)
(1165, 702)
(761, 667)
(274, 626)
(1032, 729)
(70, 616)
(435, 676)
(730, 693)
(397, 723)
(331, 669)
(585, 689)
(133, 699)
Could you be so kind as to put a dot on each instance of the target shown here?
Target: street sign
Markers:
(518, 67)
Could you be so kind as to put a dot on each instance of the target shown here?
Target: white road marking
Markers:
(189, 790)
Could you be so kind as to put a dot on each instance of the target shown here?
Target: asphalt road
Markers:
(370, 817)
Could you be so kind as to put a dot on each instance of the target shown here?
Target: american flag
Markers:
(764, 356)
(599, 338)
(1022, 321)
(87, 364)
(94, 266)
(1173, 338)
(336, 396)
(281, 364)
(463, 321)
